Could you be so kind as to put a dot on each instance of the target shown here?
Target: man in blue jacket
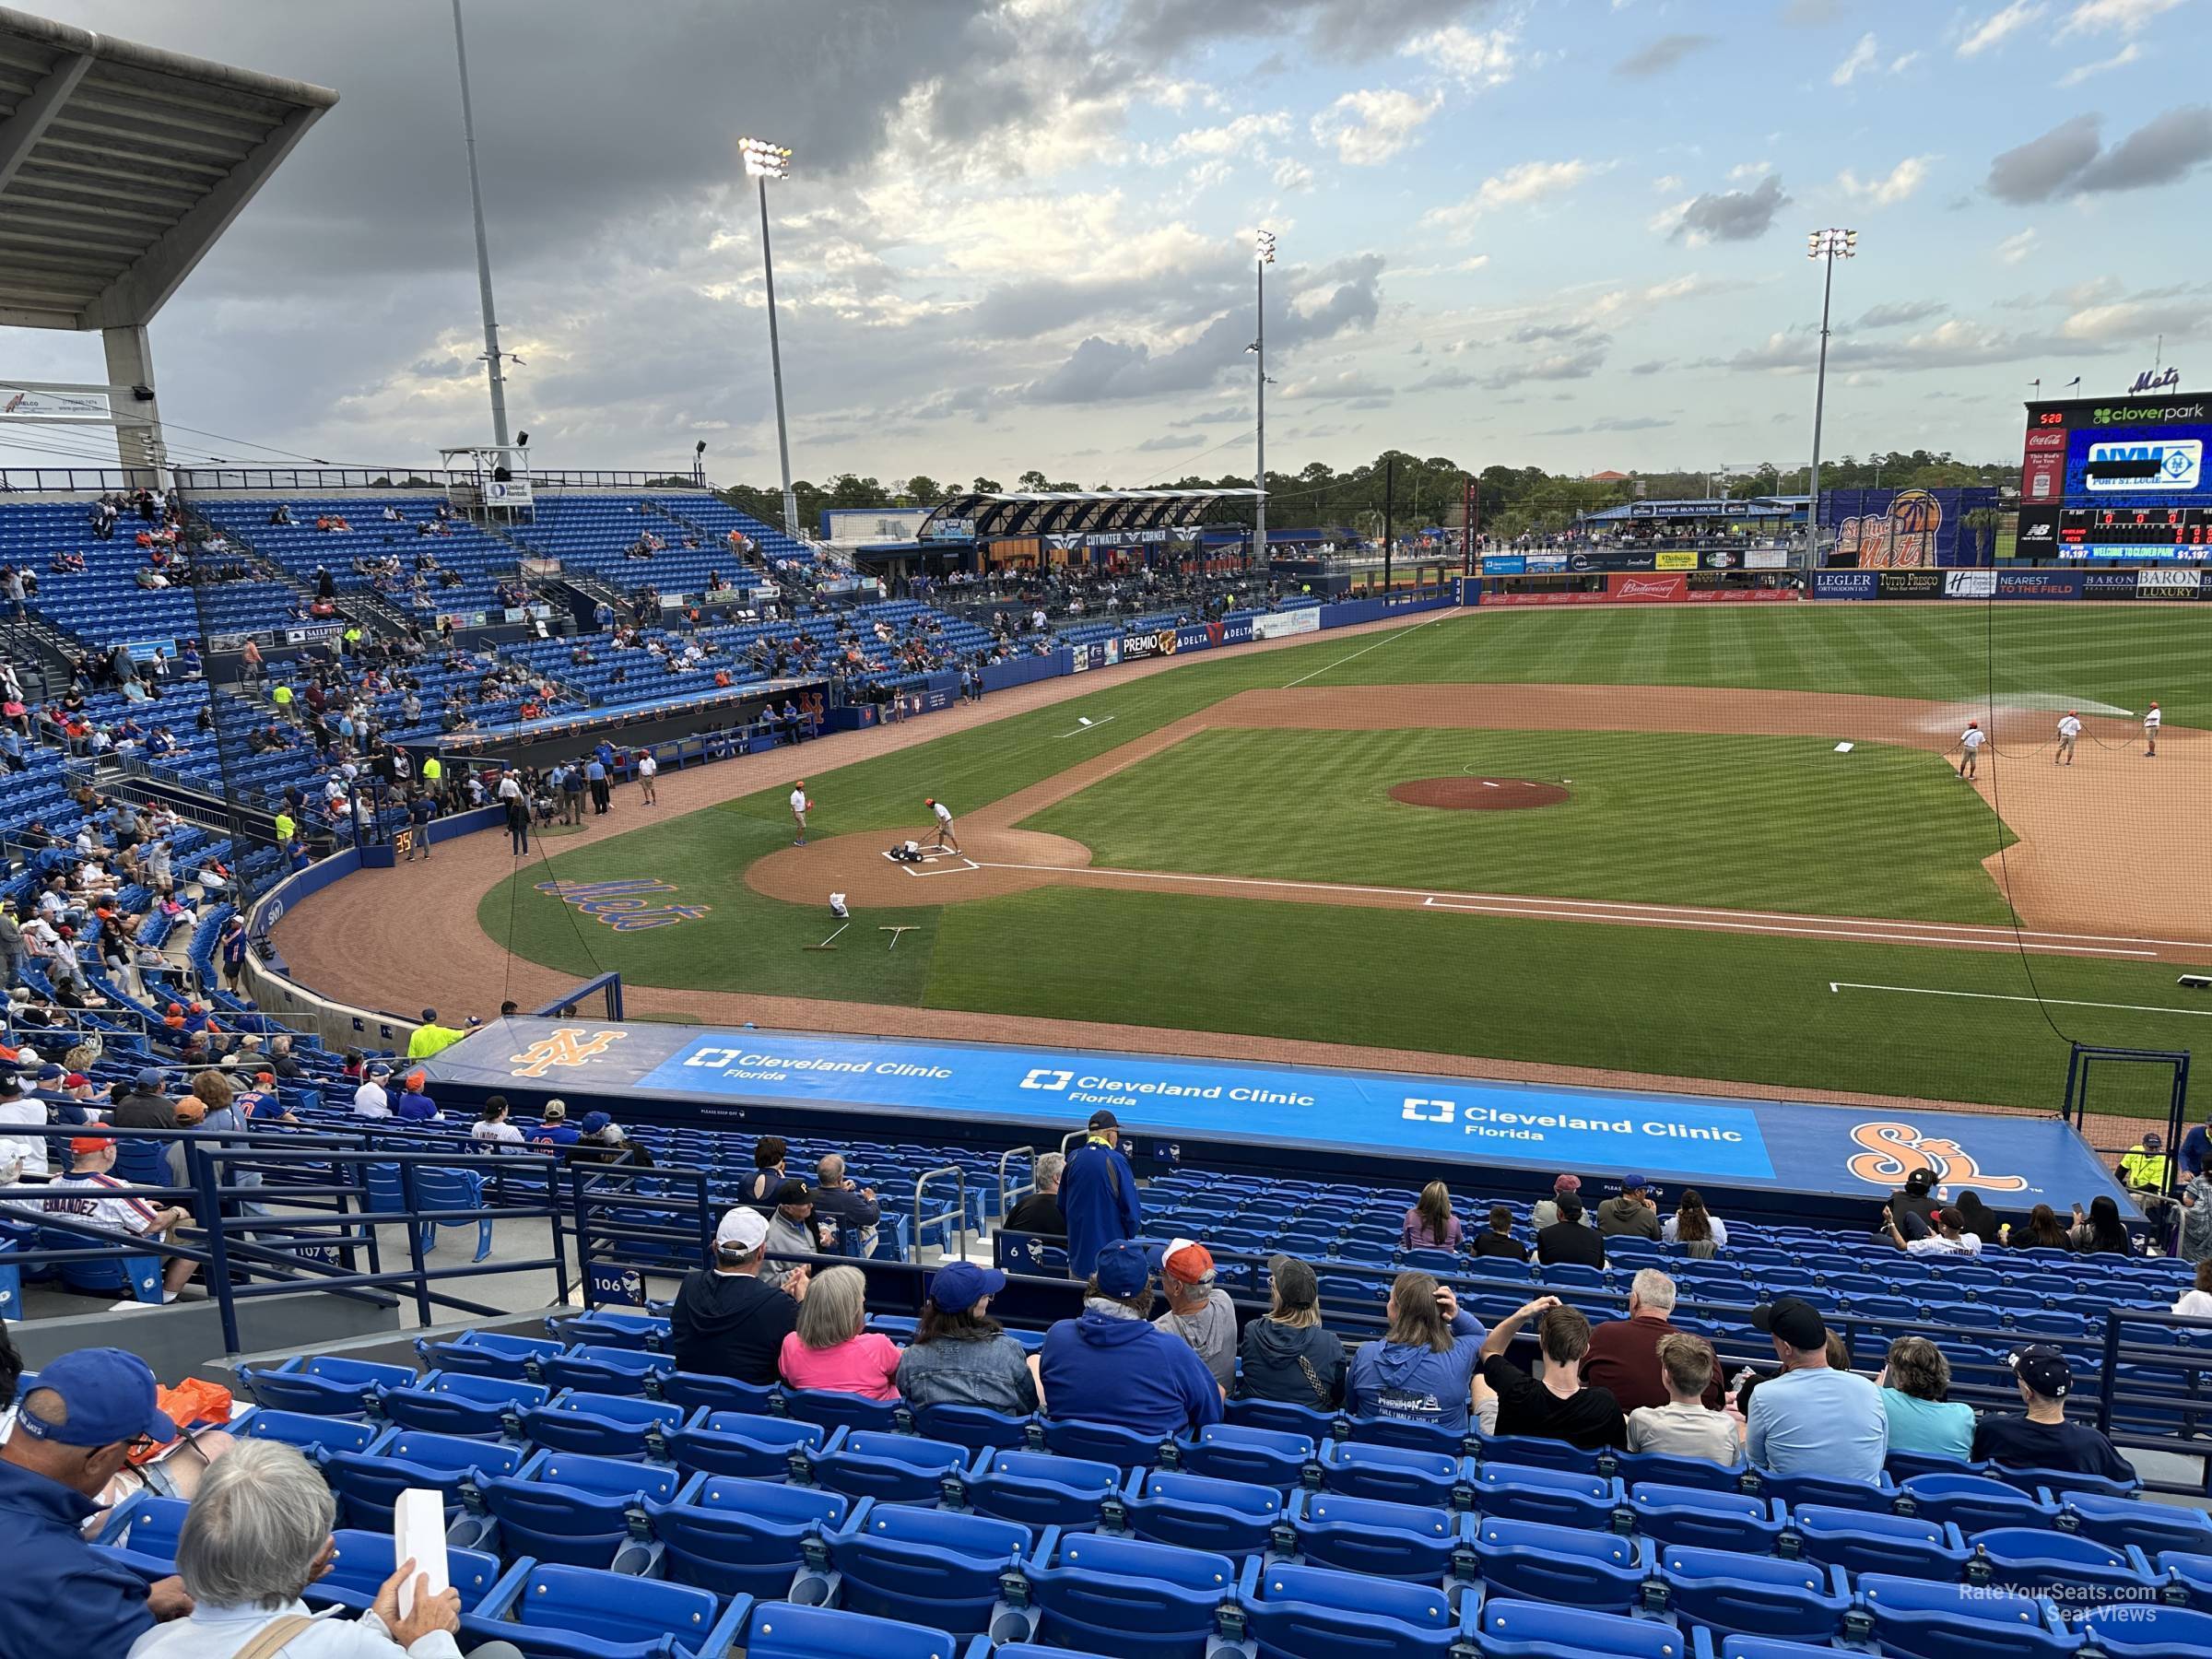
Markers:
(77, 1427)
(1114, 1366)
(1098, 1194)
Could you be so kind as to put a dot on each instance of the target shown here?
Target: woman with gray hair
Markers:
(830, 1351)
(258, 1534)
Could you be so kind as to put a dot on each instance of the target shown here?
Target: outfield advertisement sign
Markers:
(1908, 584)
(1842, 584)
(2108, 584)
(1281, 625)
(2039, 584)
(687, 1073)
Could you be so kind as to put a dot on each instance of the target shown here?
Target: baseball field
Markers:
(1709, 843)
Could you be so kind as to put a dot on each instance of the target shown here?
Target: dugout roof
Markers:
(1102, 509)
(119, 166)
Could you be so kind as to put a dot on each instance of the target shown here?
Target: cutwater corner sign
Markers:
(687, 1073)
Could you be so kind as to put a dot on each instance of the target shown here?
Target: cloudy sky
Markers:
(1561, 232)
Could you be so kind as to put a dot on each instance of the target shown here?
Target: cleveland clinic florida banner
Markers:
(683, 1073)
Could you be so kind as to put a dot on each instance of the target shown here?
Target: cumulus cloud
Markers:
(1368, 126)
(1520, 186)
(1998, 26)
(1855, 63)
(1472, 57)
(1655, 57)
(1888, 189)
(2070, 158)
(1732, 215)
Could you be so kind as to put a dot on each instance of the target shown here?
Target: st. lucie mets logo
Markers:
(568, 1045)
(1895, 1150)
(623, 905)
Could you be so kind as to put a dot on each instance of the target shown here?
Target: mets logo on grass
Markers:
(568, 1045)
(625, 906)
(1894, 1151)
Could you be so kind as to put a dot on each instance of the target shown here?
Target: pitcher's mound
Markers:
(1477, 794)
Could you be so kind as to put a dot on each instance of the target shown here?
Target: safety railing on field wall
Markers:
(1008, 1196)
(272, 1213)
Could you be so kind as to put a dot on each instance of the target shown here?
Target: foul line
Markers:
(1093, 727)
(1839, 986)
(1842, 929)
(1386, 639)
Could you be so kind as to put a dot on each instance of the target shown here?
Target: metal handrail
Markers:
(1008, 1194)
(958, 1216)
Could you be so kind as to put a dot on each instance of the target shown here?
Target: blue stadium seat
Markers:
(461, 1403)
(362, 1562)
(569, 1508)
(1382, 1540)
(1902, 1466)
(1974, 1502)
(1532, 1562)
(553, 1612)
(1555, 1497)
(834, 1410)
(2035, 1561)
(1262, 1456)
(2150, 1527)
(1707, 1520)
(369, 1483)
(940, 1568)
(1298, 1612)
(694, 1391)
(1913, 1547)
(1394, 1474)
(1630, 1467)
(1794, 1489)
(1508, 1628)
(488, 1353)
(2190, 1577)
(1410, 1433)
(1193, 1511)
(602, 1425)
(1039, 1488)
(890, 1469)
(974, 1427)
(1127, 1597)
(742, 1537)
(1745, 1595)
(1534, 1452)
(1280, 1414)
(739, 1443)
(788, 1630)
(307, 1432)
(591, 1368)
(2139, 1630)
(1101, 1442)
(143, 1532)
(326, 1385)
(1961, 1621)
(610, 1327)
(2059, 1482)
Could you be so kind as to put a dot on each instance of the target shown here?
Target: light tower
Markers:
(764, 161)
(1828, 246)
(1262, 249)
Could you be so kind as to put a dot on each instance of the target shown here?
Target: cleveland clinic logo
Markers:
(1045, 1078)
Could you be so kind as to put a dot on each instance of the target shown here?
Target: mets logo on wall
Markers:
(622, 905)
(1901, 536)
(570, 1045)
(1895, 1150)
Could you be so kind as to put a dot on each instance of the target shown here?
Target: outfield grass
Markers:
(1756, 1011)
(1651, 818)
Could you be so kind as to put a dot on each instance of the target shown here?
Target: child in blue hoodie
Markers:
(1112, 1366)
(1424, 1368)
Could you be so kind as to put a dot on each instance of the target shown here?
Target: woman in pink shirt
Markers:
(830, 1350)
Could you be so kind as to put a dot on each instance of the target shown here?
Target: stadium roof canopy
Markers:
(119, 166)
(1080, 511)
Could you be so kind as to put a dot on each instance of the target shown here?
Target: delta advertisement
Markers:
(687, 1073)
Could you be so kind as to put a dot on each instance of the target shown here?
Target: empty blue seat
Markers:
(1707, 1520)
(1630, 1467)
(1195, 1511)
(1794, 1489)
(603, 1369)
(1901, 1465)
(602, 1425)
(1974, 1502)
(788, 1630)
(1411, 1433)
(2139, 1630)
(143, 1531)
(1753, 1596)
(572, 1509)
(1395, 1473)
(1316, 1426)
(1101, 1442)
(1961, 1621)
(890, 1469)
(973, 1427)
(1532, 1561)
(1508, 1628)
(461, 1403)
(739, 1443)
(1039, 1489)
(2059, 1482)
(305, 1431)
(368, 1484)
(1530, 1450)
(488, 1353)
(694, 1391)
(1128, 1597)
(742, 1537)
(939, 1568)
(2034, 1559)
(2150, 1527)
(2190, 1576)
(1383, 1540)
(1913, 1547)
(834, 1410)
(1301, 1612)
(553, 1612)
(326, 1385)
(1262, 1456)
(610, 1327)
(1555, 1497)
(362, 1562)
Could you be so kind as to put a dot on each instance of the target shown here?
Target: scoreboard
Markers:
(2117, 479)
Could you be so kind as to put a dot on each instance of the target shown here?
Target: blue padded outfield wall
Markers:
(722, 1078)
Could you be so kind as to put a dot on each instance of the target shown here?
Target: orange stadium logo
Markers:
(1895, 1150)
(570, 1045)
(1902, 536)
(624, 906)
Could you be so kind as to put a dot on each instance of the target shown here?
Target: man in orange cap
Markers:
(799, 804)
(1970, 741)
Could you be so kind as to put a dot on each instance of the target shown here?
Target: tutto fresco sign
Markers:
(625, 906)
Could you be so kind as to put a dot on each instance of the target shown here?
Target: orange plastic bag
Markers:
(192, 1404)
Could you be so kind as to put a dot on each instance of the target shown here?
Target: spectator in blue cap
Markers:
(77, 1428)
(1114, 1366)
(960, 1355)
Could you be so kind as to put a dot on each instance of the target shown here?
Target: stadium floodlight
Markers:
(493, 354)
(1263, 248)
(1826, 246)
(764, 161)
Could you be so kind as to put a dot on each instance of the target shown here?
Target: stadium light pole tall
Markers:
(1263, 247)
(764, 161)
(476, 201)
(1826, 246)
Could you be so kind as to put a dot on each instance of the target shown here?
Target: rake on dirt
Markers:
(829, 944)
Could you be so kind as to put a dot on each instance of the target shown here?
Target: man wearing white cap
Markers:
(726, 1321)
(371, 1101)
